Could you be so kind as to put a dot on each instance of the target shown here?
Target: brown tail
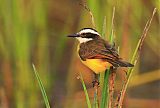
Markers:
(121, 63)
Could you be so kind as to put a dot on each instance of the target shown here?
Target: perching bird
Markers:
(96, 53)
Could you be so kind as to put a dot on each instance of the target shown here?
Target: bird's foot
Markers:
(113, 69)
(95, 83)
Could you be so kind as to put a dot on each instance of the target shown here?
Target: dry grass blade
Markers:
(134, 60)
(90, 13)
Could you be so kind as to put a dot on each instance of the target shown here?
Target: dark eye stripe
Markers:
(89, 35)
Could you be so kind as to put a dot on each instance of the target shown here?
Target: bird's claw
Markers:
(95, 83)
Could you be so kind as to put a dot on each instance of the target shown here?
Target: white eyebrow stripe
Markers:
(89, 31)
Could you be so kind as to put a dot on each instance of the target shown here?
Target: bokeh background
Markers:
(34, 31)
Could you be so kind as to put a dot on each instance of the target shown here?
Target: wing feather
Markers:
(101, 49)
(98, 49)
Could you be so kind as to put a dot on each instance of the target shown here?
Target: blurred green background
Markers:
(34, 31)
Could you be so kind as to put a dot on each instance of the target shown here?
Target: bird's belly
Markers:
(97, 65)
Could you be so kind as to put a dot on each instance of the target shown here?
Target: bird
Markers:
(96, 53)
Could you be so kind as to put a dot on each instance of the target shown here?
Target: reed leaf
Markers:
(85, 91)
(45, 98)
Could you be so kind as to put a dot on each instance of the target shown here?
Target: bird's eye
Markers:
(83, 34)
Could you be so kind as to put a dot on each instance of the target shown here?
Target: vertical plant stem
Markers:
(96, 96)
(105, 91)
(112, 77)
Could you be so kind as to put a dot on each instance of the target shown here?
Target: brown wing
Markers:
(99, 49)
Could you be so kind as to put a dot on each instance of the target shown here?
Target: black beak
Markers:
(74, 35)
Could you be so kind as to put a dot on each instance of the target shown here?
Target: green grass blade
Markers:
(112, 27)
(105, 92)
(104, 28)
(85, 91)
(41, 87)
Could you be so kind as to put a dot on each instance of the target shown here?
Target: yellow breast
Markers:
(97, 65)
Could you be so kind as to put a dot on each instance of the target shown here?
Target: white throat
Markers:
(83, 40)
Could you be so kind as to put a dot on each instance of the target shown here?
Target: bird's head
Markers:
(85, 35)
